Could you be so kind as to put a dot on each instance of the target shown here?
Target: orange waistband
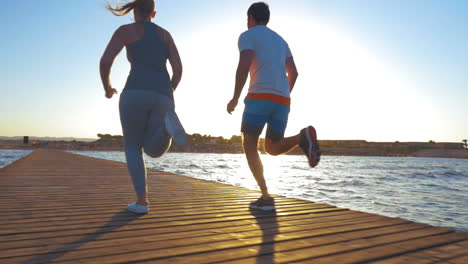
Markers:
(270, 97)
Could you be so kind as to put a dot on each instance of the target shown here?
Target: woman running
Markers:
(146, 104)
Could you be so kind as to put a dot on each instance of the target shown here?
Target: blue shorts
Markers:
(257, 113)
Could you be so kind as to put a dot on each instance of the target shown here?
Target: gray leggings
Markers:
(142, 117)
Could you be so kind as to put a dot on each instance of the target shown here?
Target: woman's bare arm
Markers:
(114, 47)
(174, 60)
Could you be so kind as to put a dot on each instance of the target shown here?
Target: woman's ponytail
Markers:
(145, 6)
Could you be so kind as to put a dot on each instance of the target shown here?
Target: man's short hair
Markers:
(260, 12)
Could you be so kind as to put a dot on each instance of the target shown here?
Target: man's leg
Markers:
(250, 144)
(307, 139)
(275, 142)
(281, 146)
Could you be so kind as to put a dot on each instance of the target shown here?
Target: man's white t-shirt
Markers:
(268, 69)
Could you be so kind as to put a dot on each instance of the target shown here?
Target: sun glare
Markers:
(343, 85)
(349, 87)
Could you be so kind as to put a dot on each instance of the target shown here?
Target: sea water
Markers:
(7, 156)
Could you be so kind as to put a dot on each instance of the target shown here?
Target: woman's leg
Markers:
(157, 141)
(134, 114)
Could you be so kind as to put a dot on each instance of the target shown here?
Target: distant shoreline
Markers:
(208, 144)
(427, 153)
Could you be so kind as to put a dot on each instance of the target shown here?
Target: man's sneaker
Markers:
(310, 146)
(263, 204)
(138, 209)
(175, 129)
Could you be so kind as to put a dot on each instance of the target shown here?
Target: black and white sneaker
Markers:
(263, 204)
(310, 146)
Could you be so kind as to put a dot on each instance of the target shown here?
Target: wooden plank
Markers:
(355, 250)
(187, 238)
(216, 250)
(210, 228)
(430, 255)
(389, 249)
(458, 260)
(112, 227)
(14, 227)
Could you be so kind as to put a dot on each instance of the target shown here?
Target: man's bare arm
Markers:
(245, 60)
(291, 70)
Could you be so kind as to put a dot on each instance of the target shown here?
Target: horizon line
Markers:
(89, 138)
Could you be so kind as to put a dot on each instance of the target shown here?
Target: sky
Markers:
(375, 70)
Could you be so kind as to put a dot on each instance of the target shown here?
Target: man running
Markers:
(273, 74)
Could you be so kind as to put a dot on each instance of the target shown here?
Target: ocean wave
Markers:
(222, 166)
(192, 166)
(358, 182)
(180, 172)
(440, 187)
(295, 167)
(453, 173)
(383, 202)
(420, 175)
(325, 190)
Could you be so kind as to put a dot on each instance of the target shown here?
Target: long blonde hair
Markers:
(146, 7)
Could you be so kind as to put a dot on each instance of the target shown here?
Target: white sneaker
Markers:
(175, 129)
(138, 209)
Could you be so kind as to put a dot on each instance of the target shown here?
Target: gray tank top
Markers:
(148, 57)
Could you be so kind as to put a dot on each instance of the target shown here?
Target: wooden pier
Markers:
(57, 207)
